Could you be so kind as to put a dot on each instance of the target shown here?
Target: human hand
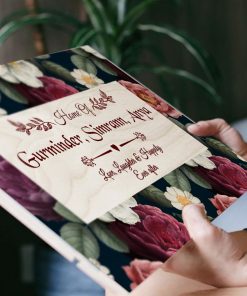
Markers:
(242, 291)
(212, 256)
(221, 130)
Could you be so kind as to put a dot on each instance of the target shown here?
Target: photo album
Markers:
(100, 167)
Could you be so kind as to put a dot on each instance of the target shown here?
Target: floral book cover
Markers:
(94, 161)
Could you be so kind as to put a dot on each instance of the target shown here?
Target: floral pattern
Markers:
(202, 160)
(147, 238)
(222, 202)
(85, 78)
(21, 72)
(52, 89)
(141, 233)
(151, 98)
(123, 213)
(92, 51)
(227, 177)
(27, 193)
(139, 270)
(179, 199)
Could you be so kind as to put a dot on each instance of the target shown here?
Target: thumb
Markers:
(197, 223)
(221, 130)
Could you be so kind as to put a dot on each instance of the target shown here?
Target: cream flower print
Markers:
(179, 199)
(94, 52)
(202, 160)
(88, 79)
(123, 213)
(21, 72)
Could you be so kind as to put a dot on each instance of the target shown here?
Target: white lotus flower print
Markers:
(123, 213)
(21, 72)
(202, 160)
(88, 79)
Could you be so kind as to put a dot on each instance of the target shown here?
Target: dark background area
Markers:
(220, 26)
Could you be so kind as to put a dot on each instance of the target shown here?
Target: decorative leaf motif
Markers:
(65, 213)
(58, 70)
(108, 238)
(43, 57)
(103, 67)
(82, 239)
(11, 93)
(177, 179)
(39, 125)
(155, 195)
(195, 178)
(84, 64)
(218, 145)
(80, 52)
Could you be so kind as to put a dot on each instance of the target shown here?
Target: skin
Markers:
(213, 256)
(221, 130)
(220, 292)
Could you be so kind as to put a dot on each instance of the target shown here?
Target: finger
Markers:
(197, 223)
(221, 130)
(214, 127)
(194, 217)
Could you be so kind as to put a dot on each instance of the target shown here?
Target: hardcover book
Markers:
(100, 167)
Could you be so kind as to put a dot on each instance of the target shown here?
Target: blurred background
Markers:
(214, 29)
(192, 53)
